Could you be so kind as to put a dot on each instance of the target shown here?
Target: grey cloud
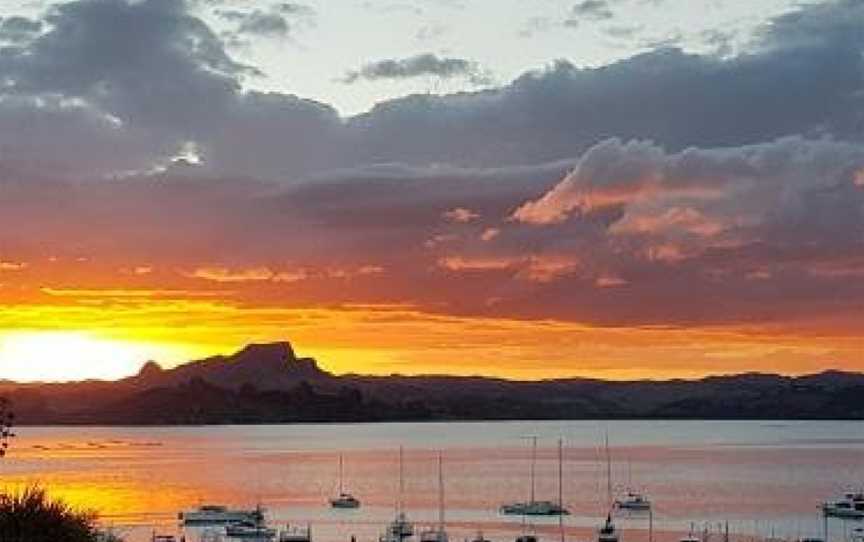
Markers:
(392, 7)
(720, 41)
(18, 29)
(118, 57)
(767, 181)
(589, 10)
(430, 32)
(623, 32)
(295, 9)
(150, 77)
(535, 25)
(257, 22)
(821, 25)
(426, 64)
(157, 73)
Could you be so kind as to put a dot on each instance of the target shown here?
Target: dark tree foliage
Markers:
(30, 515)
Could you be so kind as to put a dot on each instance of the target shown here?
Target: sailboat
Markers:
(608, 532)
(531, 536)
(633, 501)
(533, 507)
(437, 534)
(400, 528)
(691, 537)
(344, 499)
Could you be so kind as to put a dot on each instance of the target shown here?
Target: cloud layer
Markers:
(143, 79)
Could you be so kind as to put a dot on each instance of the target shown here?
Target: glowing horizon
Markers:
(350, 340)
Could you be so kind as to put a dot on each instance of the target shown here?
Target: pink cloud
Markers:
(460, 215)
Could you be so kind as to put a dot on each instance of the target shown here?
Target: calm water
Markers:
(762, 477)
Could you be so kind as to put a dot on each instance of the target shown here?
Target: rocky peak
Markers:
(150, 369)
(275, 355)
(263, 365)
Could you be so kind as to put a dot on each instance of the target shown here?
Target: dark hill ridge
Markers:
(268, 383)
(265, 366)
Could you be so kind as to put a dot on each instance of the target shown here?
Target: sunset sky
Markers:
(521, 188)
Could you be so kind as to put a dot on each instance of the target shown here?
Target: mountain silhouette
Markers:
(271, 366)
(268, 383)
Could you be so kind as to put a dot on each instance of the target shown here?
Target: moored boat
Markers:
(211, 514)
(250, 531)
(633, 501)
(294, 533)
(850, 506)
(690, 536)
(344, 500)
(533, 508)
(608, 532)
(400, 528)
(438, 533)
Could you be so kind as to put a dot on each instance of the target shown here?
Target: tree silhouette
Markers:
(7, 421)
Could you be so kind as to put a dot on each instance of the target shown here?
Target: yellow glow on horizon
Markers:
(31, 356)
(112, 338)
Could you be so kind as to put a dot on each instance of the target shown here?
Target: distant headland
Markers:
(268, 383)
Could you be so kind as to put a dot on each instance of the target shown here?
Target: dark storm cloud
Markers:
(149, 64)
(153, 77)
(426, 64)
(150, 74)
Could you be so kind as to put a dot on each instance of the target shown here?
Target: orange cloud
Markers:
(610, 282)
(12, 266)
(462, 263)
(255, 274)
(682, 219)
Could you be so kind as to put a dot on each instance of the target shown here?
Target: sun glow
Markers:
(65, 356)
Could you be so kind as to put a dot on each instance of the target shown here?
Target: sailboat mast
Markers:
(561, 488)
(401, 506)
(340, 475)
(440, 493)
(533, 463)
(608, 471)
(629, 474)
